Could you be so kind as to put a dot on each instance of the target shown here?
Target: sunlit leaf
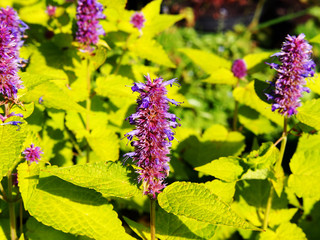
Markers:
(159, 24)
(305, 167)
(115, 86)
(38, 231)
(34, 14)
(197, 202)
(48, 92)
(255, 122)
(111, 179)
(209, 62)
(264, 157)
(216, 142)
(11, 142)
(224, 190)
(118, 5)
(247, 96)
(171, 227)
(221, 76)
(152, 9)
(99, 57)
(254, 59)
(314, 84)
(151, 50)
(224, 168)
(309, 113)
(105, 143)
(89, 213)
(286, 231)
(26, 109)
(315, 39)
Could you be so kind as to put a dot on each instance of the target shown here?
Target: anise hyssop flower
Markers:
(88, 14)
(11, 34)
(296, 65)
(153, 133)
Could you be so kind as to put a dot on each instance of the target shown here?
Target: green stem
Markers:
(282, 19)
(12, 213)
(6, 109)
(236, 109)
(283, 143)
(277, 169)
(119, 62)
(257, 14)
(4, 195)
(268, 208)
(21, 217)
(235, 116)
(88, 106)
(153, 218)
(74, 142)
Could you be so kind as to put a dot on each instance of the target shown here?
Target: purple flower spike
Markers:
(152, 135)
(239, 68)
(137, 19)
(51, 10)
(88, 14)
(32, 153)
(11, 34)
(296, 65)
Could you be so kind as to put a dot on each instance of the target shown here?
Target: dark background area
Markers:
(222, 15)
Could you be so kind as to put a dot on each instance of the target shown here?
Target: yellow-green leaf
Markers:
(105, 143)
(49, 199)
(309, 113)
(224, 168)
(209, 62)
(112, 179)
(286, 231)
(151, 50)
(11, 142)
(195, 201)
(172, 227)
(247, 96)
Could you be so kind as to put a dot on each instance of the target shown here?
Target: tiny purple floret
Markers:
(239, 68)
(4, 118)
(14, 123)
(137, 20)
(296, 65)
(32, 153)
(51, 10)
(153, 133)
(15, 179)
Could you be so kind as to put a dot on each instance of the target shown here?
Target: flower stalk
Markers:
(277, 168)
(153, 218)
(11, 206)
(88, 106)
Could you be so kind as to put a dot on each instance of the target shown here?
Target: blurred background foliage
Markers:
(172, 46)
